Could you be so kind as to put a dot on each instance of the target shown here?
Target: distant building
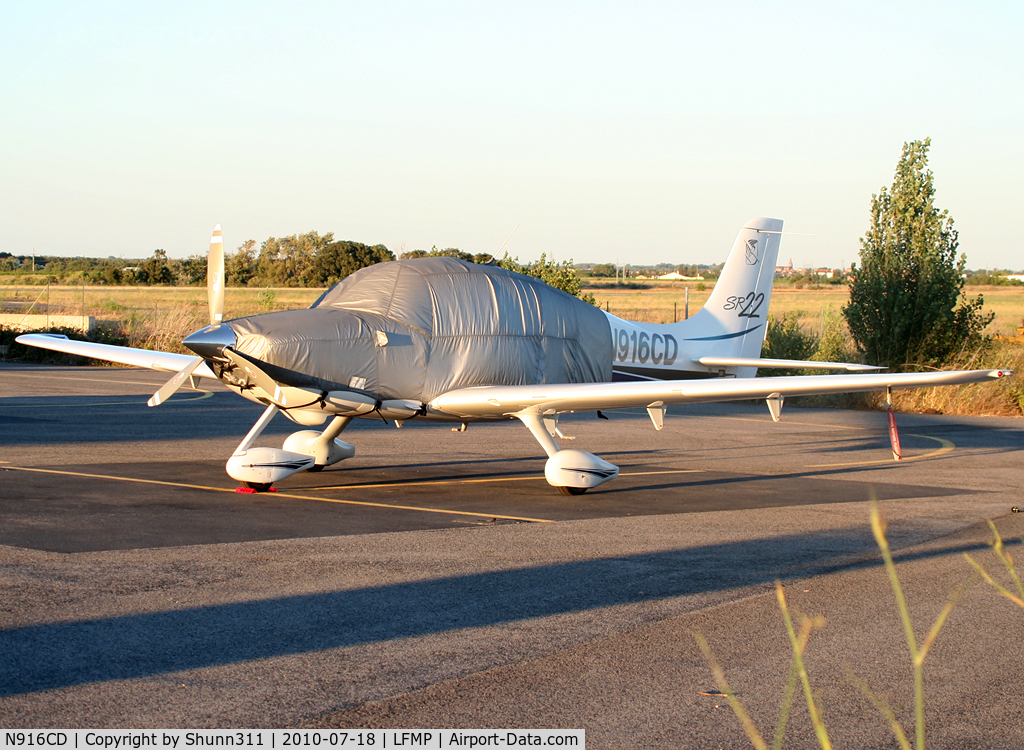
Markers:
(676, 276)
(785, 271)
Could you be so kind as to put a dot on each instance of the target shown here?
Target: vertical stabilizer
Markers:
(732, 322)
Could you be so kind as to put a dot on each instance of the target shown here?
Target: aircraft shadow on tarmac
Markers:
(57, 420)
(59, 655)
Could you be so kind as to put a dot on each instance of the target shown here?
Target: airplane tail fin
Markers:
(733, 321)
(726, 334)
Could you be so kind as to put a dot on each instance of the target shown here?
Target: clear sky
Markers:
(637, 131)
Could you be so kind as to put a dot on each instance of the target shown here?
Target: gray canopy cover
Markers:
(415, 329)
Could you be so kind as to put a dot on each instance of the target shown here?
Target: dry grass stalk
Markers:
(1005, 558)
(723, 685)
(797, 671)
(799, 642)
(917, 653)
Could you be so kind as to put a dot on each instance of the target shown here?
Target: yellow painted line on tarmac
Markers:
(119, 479)
(414, 507)
(667, 471)
(175, 398)
(426, 482)
(946, 447)
(280, 494)
(487, 480)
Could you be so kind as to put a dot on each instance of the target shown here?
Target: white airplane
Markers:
(440, 339)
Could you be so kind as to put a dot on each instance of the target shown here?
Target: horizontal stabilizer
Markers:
(783, 364)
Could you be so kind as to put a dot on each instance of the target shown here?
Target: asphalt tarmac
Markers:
(436, 580)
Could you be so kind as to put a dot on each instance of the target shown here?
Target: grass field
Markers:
(660, 301)
(656, 304)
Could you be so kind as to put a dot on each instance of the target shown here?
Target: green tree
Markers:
(786, 339)
(559, 275)
(338, 259)
(240, 266)
(449, 252)
(156, 270)
(907, 304)
(110, 274)
(192, 270)
(832, 343)
(433, 252)
(289, 261)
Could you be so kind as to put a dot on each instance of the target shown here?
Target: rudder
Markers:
(733, 321)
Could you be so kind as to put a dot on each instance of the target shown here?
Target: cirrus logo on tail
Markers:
(751, 252)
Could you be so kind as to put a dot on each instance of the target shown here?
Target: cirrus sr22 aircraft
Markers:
(440, 339)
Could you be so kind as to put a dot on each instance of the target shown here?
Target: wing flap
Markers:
(125, 355)
(497, 401)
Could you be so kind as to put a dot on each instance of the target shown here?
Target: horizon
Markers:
(576, 264)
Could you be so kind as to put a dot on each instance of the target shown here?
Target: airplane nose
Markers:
(209, 342)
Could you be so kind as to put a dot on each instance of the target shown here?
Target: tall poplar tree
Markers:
(907, 304)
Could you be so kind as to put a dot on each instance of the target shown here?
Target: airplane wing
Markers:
(497, 401)
(125, 355)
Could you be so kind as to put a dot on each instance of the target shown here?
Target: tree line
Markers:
(300, 260)
(309, 260)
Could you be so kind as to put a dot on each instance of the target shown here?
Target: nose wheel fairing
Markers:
(258, 468)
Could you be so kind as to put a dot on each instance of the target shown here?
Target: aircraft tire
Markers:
(315, 468)
(572, 490)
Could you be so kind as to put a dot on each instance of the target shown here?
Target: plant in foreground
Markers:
(797, 671)
(1004, 557)
(917, 653)
(798, 642)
